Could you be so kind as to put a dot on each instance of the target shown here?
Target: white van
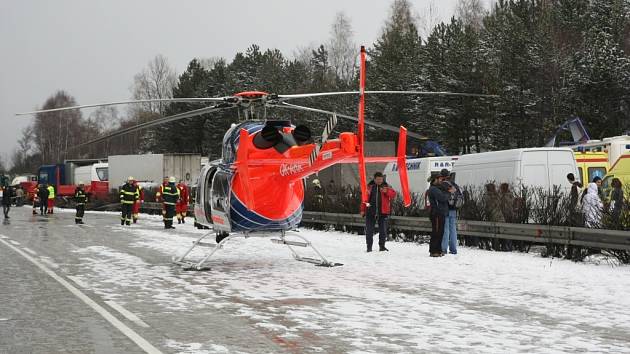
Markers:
(532, 167)
(418, 171)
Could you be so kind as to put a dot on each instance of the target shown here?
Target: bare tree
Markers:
(104, 119)
(342, 51)
(428, 20)
(471, 13)
(155, 81)
(56, 132)
(24, 151)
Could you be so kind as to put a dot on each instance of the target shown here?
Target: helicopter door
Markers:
(220, 201)
(203, 196)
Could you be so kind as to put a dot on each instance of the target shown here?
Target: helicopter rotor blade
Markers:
(282, 98)
(187, 100)
(354, 119)
(175, 117)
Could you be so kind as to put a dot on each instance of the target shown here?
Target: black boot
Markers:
(183, 220)
(122, 222)
(369, 248)
(382, 248)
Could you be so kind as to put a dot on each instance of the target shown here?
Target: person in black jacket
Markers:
(80, 197)
(170, 197)
(438, 199)
(7, 194)
(128, 197)
(42, 195)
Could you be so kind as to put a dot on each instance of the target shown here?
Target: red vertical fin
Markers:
(362, 172)
(242, 168)
(402, 165)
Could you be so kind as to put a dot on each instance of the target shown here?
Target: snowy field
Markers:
(399, 301)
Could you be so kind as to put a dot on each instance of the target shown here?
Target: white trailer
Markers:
(418, 172)
(151, 168)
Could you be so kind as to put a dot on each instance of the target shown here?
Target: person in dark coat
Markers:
(438, 200)
(81, 198)
(616, 201)
(377, 210)
(42, 196)
(170, 197)
(128, 197)
(7, 195)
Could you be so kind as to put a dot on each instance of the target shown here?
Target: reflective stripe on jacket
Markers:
(128, 194)
(170, 194)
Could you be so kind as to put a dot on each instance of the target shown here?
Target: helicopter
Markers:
(257, 188)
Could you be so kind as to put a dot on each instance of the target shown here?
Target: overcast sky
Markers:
(92, 49)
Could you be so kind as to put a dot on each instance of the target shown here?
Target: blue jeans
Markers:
(449, 240)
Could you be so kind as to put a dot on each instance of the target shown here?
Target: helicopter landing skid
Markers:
(199, 266)
(322, 261)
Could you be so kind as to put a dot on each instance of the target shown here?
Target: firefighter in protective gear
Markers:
(170, 197)
(51, 198)
(36, 200)
(136, 206)
(81, 198)
(128, 197)
(158, 195)
(182, 206)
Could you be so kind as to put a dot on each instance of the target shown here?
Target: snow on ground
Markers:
(397, 301)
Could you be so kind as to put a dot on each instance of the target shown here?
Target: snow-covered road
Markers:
(397, 301)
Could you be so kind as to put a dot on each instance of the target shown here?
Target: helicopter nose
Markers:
(302, 135)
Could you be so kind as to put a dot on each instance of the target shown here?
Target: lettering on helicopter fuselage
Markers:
(217, 219)
(287, 169)
(327, 155)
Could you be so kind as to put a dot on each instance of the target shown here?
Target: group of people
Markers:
(589, 205)
(44, 197)
(174, 199)
(445, 198)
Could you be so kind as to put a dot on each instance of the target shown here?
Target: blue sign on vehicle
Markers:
(410, 166)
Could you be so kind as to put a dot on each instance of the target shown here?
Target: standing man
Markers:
(182, 205)
(438, 199)
(42, 197)
(449, 239)
(51, 198)
(377, 210)
(170, 197)
(159, 196)
(136, 206)
(128, 196)
(7, 195)
(80, 197)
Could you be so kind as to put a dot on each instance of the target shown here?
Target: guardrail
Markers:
(543, 234)
(540, 234)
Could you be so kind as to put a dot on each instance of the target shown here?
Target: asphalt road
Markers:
(46, 308)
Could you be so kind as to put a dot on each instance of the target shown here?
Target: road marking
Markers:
(130, 333)
(78, 281)
(30, 251)
(128, 314)
(49, 263)
(14, 242)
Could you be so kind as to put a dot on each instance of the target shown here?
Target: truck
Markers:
(65, 177)
(150, 169)
(418, 172)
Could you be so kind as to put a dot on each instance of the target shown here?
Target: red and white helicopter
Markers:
(257, 188)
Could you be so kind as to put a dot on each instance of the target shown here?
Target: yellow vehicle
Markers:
(591, 164)
(620, 169)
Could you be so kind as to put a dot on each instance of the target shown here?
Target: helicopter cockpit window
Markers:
(220, 192)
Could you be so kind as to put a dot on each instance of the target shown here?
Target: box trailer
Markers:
(150, 169)
(418, 172)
